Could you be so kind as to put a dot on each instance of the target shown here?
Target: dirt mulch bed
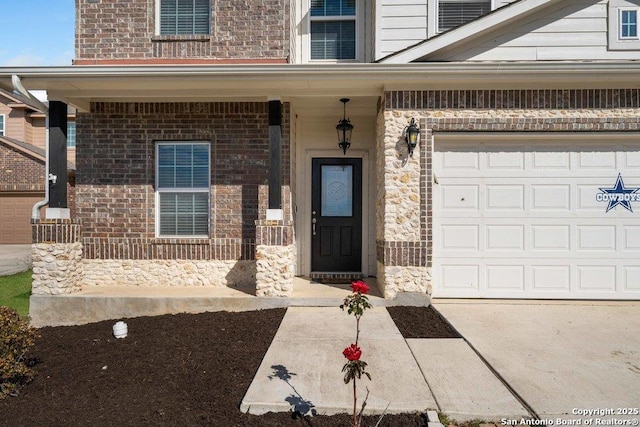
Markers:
(186, 369)
(421, 322)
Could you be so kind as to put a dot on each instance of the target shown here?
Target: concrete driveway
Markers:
(14, 259)
(565, 360)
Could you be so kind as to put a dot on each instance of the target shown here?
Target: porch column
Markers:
(57, 161)
(402, 236)
(275, 243)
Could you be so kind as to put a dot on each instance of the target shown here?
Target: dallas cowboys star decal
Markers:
(619, 195)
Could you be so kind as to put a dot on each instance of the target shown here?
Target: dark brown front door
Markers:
(336, 215)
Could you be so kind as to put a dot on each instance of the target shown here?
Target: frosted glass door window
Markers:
(337, 191)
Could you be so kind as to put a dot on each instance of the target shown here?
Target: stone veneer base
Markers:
(397, 280)
(57, 268)
(150, 273)
(275, 269)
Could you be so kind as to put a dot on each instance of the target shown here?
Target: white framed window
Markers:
(623, 32)
(183, 17)
(333, 30)
(628, 24)
(453, 13)
(182, 189)
(1, 124)
(71, 134)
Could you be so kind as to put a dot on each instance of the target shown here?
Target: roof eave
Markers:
(80, 85)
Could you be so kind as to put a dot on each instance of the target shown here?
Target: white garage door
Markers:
(530, 217)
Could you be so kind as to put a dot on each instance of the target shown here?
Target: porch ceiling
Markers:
(79, 85)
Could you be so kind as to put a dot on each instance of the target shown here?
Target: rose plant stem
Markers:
(355, 420)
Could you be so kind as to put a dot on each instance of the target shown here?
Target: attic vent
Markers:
(453, 13)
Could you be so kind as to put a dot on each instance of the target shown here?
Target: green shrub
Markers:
(16, 338)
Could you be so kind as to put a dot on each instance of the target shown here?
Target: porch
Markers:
(97, 303)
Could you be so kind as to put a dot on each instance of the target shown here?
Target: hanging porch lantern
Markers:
(344, 128)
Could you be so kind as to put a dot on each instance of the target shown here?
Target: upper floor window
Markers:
(71, 134)
(628, 24)
(622, 25)
(1, 124)
(185, 17)
(182, 189)
(333, 29)
(453, 13)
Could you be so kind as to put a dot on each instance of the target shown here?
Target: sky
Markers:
(36, 32)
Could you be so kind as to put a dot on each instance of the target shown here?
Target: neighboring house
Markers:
(22, 165)
(208, 156)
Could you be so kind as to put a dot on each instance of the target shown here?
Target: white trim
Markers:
(304, 235)
(157, 191)
(157, 18)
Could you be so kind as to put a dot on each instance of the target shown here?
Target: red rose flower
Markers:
(352, 352)
(360, 287)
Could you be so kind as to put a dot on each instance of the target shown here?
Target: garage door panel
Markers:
(550, 278)
(586, 200)
(552, 157)
(460, 237)
(15, 217)
(460, 197)
(550, 196)
(550, 237)
(464, 157)
(596, 237)
(505, 277)
(504, 197)
(631, 275)
(596, 278)
(631, 155)
(596, 159)
(631, 237)
(458, 277)
(505, 237)
(521, 220)
(499, 158)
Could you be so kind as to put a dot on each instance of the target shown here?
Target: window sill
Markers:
(180, 240)
(181, 38)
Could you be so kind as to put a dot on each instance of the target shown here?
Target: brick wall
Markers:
(120, 30)
(115, 197)
(19, 172)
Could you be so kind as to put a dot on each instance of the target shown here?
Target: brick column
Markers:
(275, 258)
(57, 257)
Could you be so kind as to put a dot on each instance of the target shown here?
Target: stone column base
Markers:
(275, 258)
(275, 269)
(396, 279)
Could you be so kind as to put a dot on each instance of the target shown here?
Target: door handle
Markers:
(313, 222)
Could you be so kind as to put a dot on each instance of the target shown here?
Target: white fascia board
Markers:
(499, 18)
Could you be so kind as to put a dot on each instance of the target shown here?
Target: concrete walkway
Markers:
(563, 358)
(302, 370)
(14, 259)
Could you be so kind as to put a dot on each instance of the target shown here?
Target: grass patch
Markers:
(15, 291)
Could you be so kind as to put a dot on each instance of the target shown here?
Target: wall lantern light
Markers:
(411, 134)
(344, 128)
